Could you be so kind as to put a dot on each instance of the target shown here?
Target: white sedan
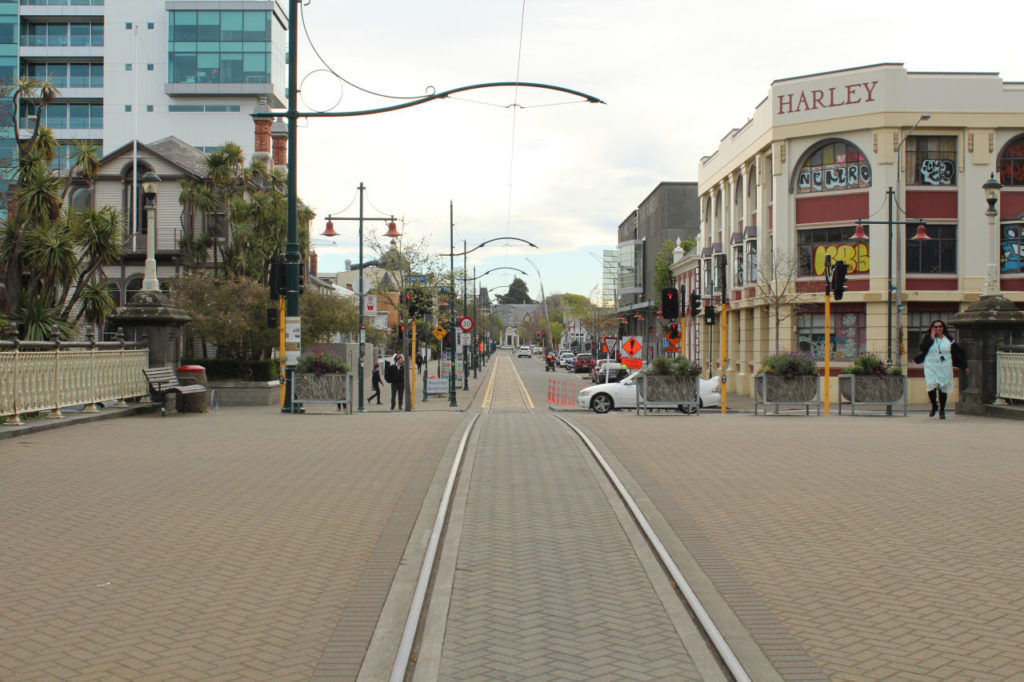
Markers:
(622, 395)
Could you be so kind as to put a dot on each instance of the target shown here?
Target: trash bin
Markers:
(192, 402)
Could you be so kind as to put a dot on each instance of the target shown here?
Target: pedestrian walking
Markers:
(375, 381)
(395, 375)
(940, 353)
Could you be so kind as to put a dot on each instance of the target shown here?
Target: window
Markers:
(930, 160)
(631, 267)
(128, 25)
(149, 107)
(833, 166)
(1011, 163)
(846, 332)
(1011, 249)
(149, 67)
(127, 107)
(931, 256)
(127, 67)
(752, 189)
(920, 321)
(214, 46)
(751, 261)
(737, 265)
(150, 25)
(816, 243)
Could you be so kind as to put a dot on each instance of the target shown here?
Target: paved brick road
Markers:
(239, 544)
(885, 548)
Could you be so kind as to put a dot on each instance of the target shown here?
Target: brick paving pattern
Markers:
(218, 546)
(887, 548)
(547, 586)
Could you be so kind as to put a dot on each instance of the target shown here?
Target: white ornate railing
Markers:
(37, 376)
(1010, 375)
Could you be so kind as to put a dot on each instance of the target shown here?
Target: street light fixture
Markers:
(361, 283)
(992, 188)
(150, 186)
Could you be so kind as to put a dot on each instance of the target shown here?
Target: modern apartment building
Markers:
(145, 70)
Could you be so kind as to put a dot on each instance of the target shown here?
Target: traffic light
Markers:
(401, 332)
(694, 303)
(669, 303)
(673, 331)
(278, 283)
(839, 279)
(272, 319)
(709, 315)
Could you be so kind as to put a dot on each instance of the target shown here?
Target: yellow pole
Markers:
(828, 344)
(725, 330)
(412, 364)
(280, 329)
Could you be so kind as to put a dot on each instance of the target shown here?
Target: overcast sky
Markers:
(676, 76)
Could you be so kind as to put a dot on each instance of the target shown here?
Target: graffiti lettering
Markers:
(937, 172)
(855, 256)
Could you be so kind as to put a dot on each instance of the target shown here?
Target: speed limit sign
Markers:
(466, 324)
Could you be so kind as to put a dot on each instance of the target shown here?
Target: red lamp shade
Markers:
(921, 233)
(392, 232)
(860, 235)
(329, 232)
(639, 316)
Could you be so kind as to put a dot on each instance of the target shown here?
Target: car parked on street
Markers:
(607, 370)
(584, 362)
(603, 398)
(565, 359)
(523, 352)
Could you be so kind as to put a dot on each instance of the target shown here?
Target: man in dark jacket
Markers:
(395, 375)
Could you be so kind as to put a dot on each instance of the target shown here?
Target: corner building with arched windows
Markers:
(867, 143)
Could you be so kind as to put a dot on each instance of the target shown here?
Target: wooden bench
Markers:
(164, 380)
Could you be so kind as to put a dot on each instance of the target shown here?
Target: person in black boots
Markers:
(375, 382)
(395, 375)
(940, 353)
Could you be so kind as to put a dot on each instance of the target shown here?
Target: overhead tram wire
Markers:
(515, 111)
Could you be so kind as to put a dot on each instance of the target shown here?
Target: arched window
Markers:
(752, 187)
(832, 166)
(1011, 163)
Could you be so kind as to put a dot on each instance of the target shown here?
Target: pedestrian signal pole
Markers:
(828, 322)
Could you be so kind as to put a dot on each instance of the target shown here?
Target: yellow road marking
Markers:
(490, 388)
(522, 386)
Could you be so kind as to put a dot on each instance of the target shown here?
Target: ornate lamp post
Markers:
(150, 186)
(361, 284)
(992, 188)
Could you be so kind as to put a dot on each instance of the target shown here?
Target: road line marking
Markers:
(522, 386)
(489, 393)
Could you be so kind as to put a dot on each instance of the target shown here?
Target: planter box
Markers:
(326, 388)
(771, 389)
(655, 391)
(244, 393)
(856, 389)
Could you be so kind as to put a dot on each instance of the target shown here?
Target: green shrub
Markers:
(867, 364)
(789, 365)
(321, 362)
(665, 366)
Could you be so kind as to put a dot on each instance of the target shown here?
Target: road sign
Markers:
(439, 333)
(362, 285)
(466, 323)
(632, 347)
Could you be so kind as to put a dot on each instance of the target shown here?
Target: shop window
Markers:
(833, 166)
(930, 160)
(1011, 249)
(1011, 163)
(814, 244)
(846, 333)
(933, 256)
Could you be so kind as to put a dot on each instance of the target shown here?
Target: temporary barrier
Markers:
(562, 392)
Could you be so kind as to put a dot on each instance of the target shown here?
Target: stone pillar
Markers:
(152, 316)
(986, 325)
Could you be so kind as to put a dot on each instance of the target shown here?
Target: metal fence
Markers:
(1010, 373)
(52, 375)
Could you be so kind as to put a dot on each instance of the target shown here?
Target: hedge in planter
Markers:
(790, 378)
(321, 376)
(876, 381)
(672, 380)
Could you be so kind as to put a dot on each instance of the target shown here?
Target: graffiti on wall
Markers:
(855, 256)
(937, 172)
(1011, 257)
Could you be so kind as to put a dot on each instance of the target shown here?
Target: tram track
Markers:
(419, 655)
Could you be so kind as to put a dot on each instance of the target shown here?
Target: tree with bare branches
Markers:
(776, 284)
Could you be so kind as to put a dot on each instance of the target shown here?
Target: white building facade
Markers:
(893, 149)
(192, 69)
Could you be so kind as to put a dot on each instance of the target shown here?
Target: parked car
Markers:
(565, 359)
(615, 371)
(603, 398)
(584, 362)
(523, 352)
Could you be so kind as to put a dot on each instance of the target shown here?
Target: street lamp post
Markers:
(899, 241)
(361, 283)
(150, 187)
(991, 189)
